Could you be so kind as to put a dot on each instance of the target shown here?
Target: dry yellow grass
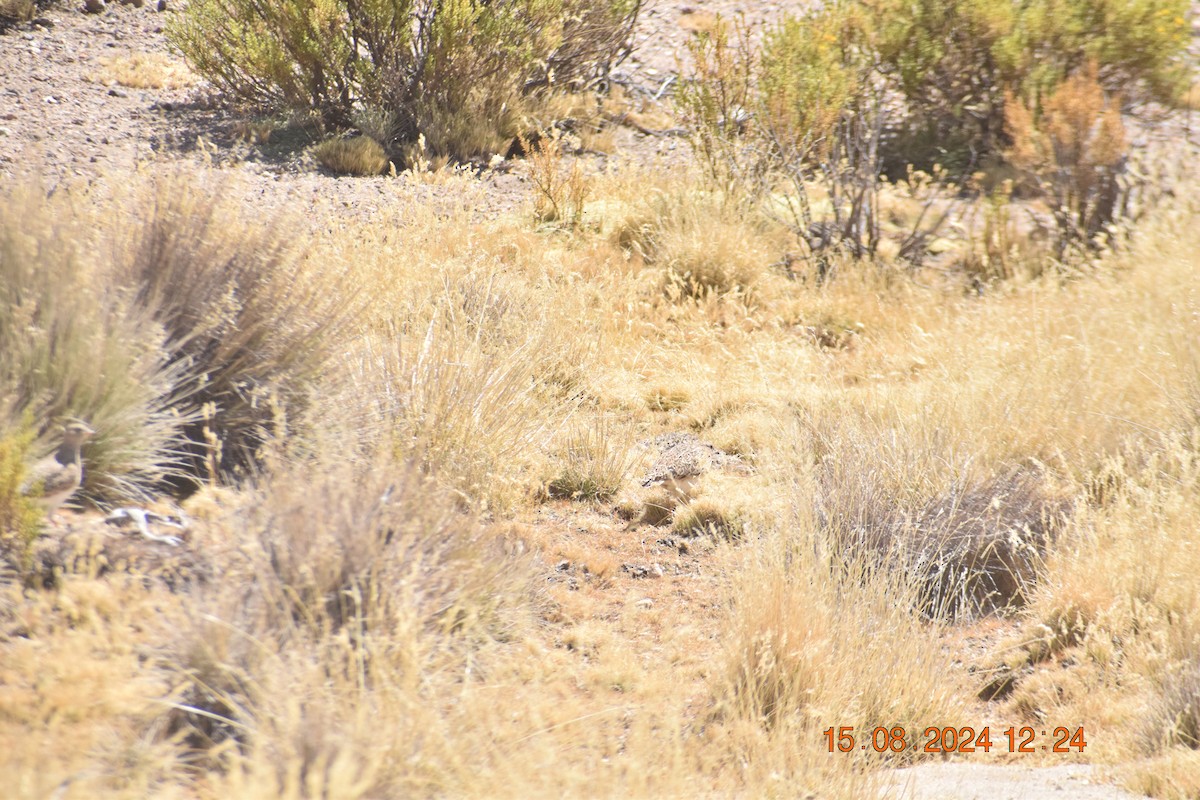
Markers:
(144, 71)
(398, 609)
(358, 155)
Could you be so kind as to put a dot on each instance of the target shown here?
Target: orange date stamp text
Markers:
(897, 739)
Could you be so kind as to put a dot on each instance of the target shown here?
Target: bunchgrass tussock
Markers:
(250, 316)
(356, 155)
(707, 517)
(367, 575)
(76, 345)
(595, 463)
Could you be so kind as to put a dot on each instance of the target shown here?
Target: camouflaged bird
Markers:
(683, 458)
(56, 477)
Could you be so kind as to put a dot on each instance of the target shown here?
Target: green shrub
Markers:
(358, 155)
(795, 126)
(457, 71)
(802, 125)
(955, 61)
(19, 516)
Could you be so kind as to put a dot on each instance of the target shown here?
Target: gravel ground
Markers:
(963, 781)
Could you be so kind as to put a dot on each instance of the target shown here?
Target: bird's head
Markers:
(77, 433)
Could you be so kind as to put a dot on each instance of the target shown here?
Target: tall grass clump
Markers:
(73, 343)
(460, 74)
(701, 245)
(1119, 603)
(242, 308)
(355, 599)
(595, 462)
(814, 642)
(971, 537)
(462, 381)
(358, 155)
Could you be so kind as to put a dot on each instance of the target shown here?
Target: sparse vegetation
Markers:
(801, 120)
(430, 547)
(562, 190)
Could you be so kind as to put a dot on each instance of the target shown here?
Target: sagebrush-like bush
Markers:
(456, 71)
(795, 125)
(955, 60)
(803, 123)
(1076, 151)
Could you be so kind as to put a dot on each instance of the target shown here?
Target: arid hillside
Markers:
(570, 399)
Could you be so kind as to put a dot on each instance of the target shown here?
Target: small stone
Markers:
(93, 6)
(162, 5)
